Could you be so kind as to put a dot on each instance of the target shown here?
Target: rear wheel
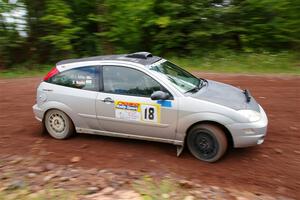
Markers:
(207, 142)
(58, 124)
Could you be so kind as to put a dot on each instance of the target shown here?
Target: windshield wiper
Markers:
(202, 83)
(195, 89)
(247, 95)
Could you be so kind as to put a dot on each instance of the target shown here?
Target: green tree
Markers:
(123, 24)
(59, 28)
(84, 16)
(268, 24)
(10, 40)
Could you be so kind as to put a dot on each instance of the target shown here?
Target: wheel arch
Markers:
(221, 126)
(61, 107)
(49, 109)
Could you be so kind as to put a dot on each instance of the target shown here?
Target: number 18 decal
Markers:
(150, 113)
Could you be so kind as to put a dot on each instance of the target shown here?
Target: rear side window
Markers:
(86, 78)
(127, 81)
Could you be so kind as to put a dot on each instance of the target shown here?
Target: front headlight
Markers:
(251, 115)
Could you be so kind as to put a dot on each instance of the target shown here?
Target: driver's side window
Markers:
(128, 81)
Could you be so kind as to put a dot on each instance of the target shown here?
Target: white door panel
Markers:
(125, 105)
(137, 115)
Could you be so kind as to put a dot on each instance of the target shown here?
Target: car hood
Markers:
(226, 95)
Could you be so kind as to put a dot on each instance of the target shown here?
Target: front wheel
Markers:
(207, 142)
(58, 124)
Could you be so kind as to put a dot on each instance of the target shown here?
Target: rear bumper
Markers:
(249, 134)
(38, 113)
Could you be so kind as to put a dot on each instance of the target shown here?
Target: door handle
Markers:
(47, 90)
(108, 100)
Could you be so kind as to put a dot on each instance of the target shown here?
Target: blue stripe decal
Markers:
(165, 103)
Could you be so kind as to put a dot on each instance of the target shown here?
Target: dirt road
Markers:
(273, 167)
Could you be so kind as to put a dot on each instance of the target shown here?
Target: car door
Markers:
(124, 106)
(75, 90)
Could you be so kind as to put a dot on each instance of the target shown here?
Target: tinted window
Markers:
(127, 81)
(86, 78)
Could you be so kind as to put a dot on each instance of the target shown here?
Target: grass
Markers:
(253, 63)
(21, 71)
(26, 194)
(165, 188)
(250, 63)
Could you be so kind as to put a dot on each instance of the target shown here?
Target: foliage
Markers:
(58, 29)
(10, 40)
(56, 15)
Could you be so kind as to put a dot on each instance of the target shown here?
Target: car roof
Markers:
(144, 58)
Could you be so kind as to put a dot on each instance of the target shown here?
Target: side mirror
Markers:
(160, 95)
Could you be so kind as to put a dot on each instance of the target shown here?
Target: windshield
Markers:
(181, 79)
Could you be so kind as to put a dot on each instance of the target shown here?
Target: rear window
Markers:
(86, 78)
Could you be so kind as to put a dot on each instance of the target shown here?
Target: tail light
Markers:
(51, 73)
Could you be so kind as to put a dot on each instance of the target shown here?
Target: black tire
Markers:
(207, 142)
(58, 124)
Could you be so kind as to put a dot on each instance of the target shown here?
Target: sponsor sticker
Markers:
(165, 103)
(137, 111)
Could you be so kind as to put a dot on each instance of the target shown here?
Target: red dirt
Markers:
(272, 167)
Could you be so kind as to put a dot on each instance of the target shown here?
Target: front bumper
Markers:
(249, 134)
(38, 113)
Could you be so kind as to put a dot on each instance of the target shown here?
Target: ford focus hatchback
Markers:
(146, 97)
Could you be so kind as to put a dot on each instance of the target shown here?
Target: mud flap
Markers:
(179, 149)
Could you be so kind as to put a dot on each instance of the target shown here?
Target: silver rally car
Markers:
(146, 97)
